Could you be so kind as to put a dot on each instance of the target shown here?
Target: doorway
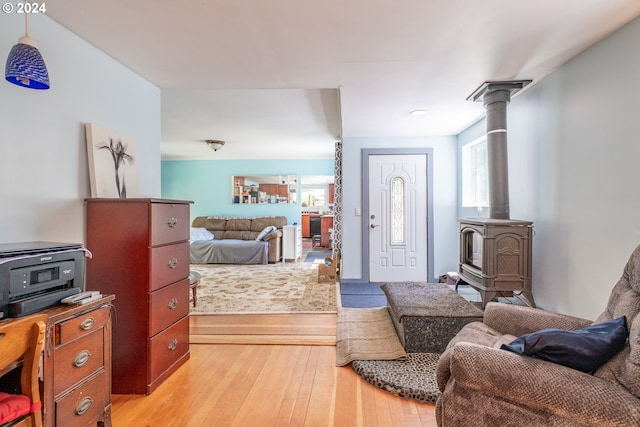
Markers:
(397, 212)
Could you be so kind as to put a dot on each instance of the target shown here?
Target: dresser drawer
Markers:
(167, 347)
(84, 405)
(169, 223)
(74, 328)
(169, 264)
(78, 359)
(168, 305)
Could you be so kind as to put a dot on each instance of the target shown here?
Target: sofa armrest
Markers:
(543, 386)
(275, 242)
(519, 320)
(273, 235)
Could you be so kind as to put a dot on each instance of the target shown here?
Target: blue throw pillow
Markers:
(267, 230)
(200, 233)
(584, 349)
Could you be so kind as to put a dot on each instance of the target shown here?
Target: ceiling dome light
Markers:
(419, 112)
(215, 144)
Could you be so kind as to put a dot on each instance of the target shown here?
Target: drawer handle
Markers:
(173, 263)
(172, 344)
(87, 323)
(84, 405)
(173, 222)
(81, 358)
(173, 302)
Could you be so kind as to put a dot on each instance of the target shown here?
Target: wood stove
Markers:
(495, 252)
(495, 257)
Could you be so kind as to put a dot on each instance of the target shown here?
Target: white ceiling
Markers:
(295, 75)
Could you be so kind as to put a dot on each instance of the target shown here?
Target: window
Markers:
(316, 193)
(475, 174)
(397, 210)
(313, 196)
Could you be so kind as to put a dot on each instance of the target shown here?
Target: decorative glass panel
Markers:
(397, 210)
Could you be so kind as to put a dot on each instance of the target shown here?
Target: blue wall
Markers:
(208, 184)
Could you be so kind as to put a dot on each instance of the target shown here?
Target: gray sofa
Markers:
(234, 240)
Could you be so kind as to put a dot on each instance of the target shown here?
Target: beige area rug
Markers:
(273, 288)
(366, 334)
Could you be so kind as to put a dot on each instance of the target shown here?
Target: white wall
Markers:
(574, 145)
(43, 162)
(444, 200)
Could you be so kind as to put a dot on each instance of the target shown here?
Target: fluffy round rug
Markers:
(412, 378)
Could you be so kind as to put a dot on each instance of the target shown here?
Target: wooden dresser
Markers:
(141, 254)
(77, 365)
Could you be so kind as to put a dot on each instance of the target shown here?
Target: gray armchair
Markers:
(483, 385)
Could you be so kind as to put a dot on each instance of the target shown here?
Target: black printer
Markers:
(38, 275)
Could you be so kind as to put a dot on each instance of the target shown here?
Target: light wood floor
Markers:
(275, 370)
(309, 329)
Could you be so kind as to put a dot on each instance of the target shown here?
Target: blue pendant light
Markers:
(25, 66)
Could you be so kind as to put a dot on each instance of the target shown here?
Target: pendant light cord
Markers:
(26, 22)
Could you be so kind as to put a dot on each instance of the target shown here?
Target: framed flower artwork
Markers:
(112, 163)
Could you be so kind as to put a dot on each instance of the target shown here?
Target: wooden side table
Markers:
(77, 365)
(194, 282)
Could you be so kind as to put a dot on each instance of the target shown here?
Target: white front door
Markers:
(397, 218)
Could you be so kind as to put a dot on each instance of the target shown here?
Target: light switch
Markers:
(357, 211)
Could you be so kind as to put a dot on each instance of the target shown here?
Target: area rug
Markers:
(411, 378)
(367, 339)
(366, 334)
(273, 288)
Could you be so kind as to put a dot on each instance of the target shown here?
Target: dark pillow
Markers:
(585, 349)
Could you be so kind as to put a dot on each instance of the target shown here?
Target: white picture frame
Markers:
(112, 163)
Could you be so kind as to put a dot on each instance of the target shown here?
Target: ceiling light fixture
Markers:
(215, 144)
(25, 66)
(419, 112)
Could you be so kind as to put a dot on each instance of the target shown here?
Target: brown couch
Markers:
(246, 229)
(483, 385)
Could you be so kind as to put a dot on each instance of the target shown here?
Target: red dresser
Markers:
(140, 253)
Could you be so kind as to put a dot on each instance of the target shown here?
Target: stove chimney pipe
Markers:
(495, 102)
(495, 97)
